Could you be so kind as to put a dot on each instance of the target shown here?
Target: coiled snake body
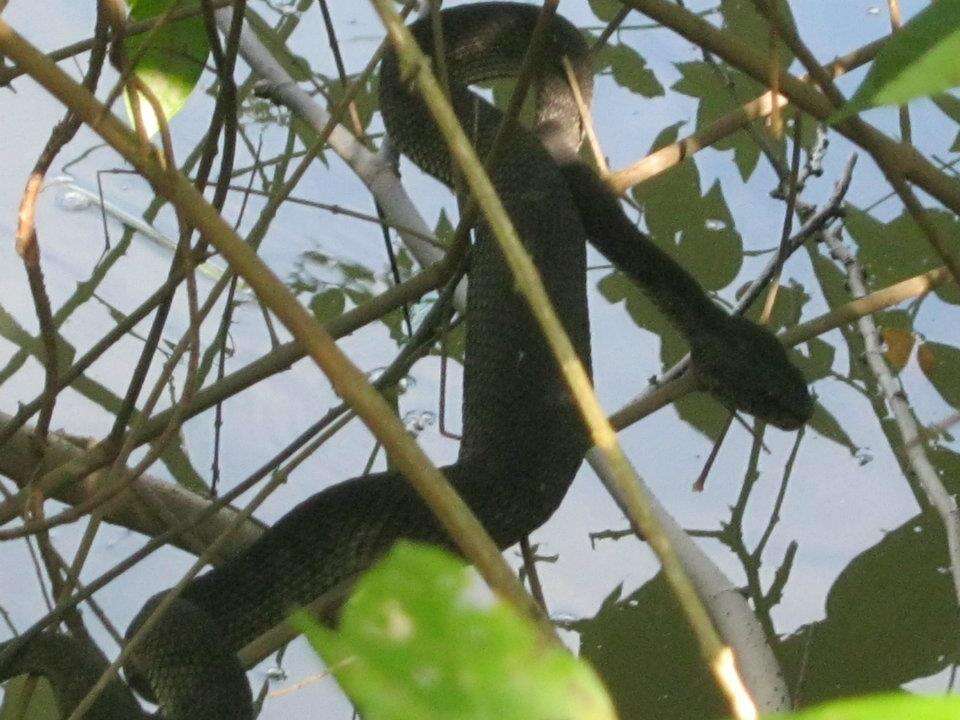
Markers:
(522, 438)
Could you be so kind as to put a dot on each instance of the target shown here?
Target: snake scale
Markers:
(522, 438)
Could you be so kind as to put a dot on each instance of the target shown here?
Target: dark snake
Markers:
(522, 438)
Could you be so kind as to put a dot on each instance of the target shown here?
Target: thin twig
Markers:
(623, 481)
(675, 382)
(668, 156)
(858, 131)
(735, 51)
(896, 397)
(455, 516)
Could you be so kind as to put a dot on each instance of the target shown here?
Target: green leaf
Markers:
(719, 91)
(365, 101)
(415, 644)
(947, 464)
(787, 309)
(169, 60)
(894, 251)
(704, 413)
(176, 459)
(13, 331)
(444, 229)
(741, 17)
(502, 89)
(629, 69)
(817, 362)
(605, 10)
(920, 59)
(883, 707)
(828, 426)
(703, 238)
(296, 66)
(625, 641)
(454, 345)
(327, 304)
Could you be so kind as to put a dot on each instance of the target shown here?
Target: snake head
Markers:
(747, 368)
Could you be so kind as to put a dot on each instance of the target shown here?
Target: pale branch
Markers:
(18, 463)
(893, 391)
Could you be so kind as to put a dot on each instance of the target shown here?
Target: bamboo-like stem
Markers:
(914, 287)
(908, 161)
(347, 380)
(397, 368)
(17, 460)
(858, 130)
(624, 486)
(896, 22)
(57, 482)
(651, 401)
(673, 154)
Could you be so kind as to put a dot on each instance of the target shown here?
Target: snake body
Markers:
(522, 438)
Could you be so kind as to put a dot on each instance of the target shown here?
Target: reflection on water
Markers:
(891, 617)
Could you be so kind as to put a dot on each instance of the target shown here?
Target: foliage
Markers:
(425, 649)
(169, 60)
(890, 616)
(920, 59)
(884, 707)
(417, 643)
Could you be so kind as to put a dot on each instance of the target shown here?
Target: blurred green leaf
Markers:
(366, 100)
(169, 60)
(741, 18)
(890, 618)
(947, 464)
(296, 65)
(454, 345)
(703, 81)
(444, 229)
(624, 641)
(177, 461)
(787, 309)
(318, 273)
(699, 410)
(826, 424)
(883, 707)
(416, 644)
(502, 89)
(13, 331)
(919, 59)
(817, 360)
(704, 413)
(721, 89)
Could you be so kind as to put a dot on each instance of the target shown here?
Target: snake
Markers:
(522, 440)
